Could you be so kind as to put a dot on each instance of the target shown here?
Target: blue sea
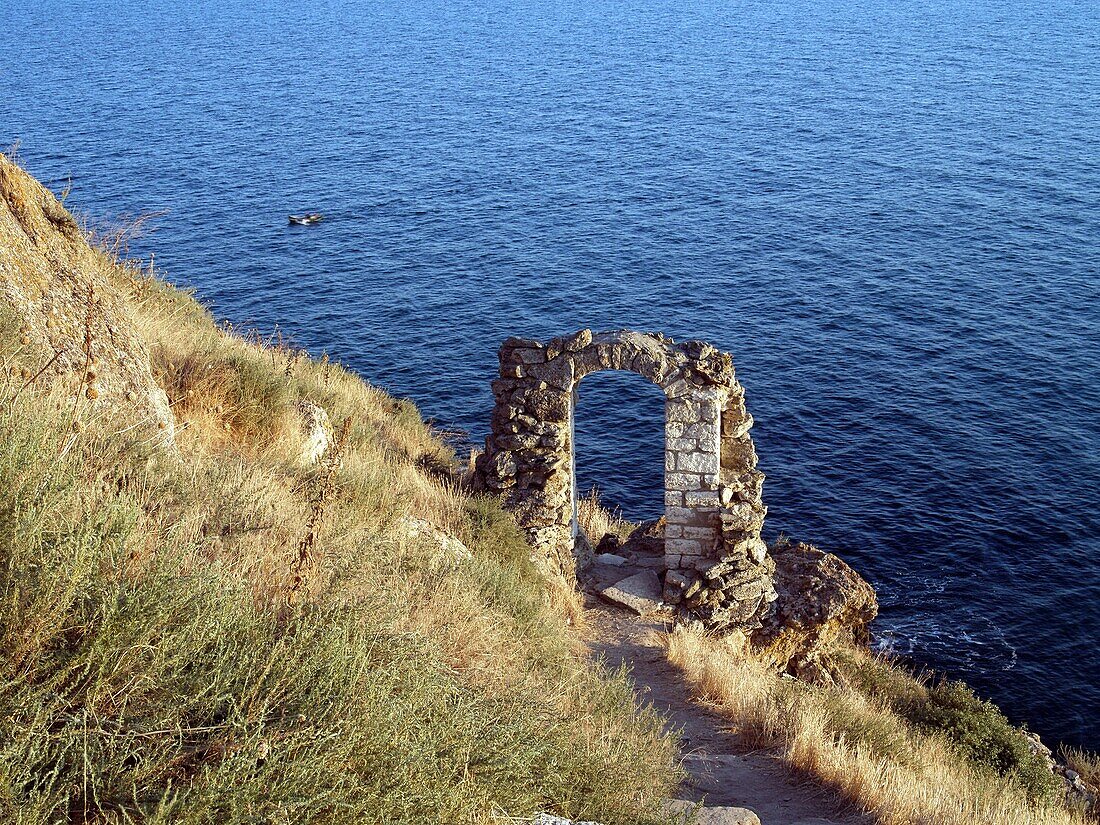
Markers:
(889, 212)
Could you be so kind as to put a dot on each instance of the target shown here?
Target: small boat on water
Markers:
(307, 219)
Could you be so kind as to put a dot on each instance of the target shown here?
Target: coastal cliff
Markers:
(239, 584)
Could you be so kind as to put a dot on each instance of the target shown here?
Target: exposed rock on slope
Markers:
(316, 429)
(821, 600)
(71, 320)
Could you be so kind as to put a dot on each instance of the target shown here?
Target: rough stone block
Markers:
(673, 531)
(674, 429)
(706, 498)
(683, 482)
(690, 547)
(503, 386)
(682, 445)
(705, 431)
(682, 410)
(578, 341)
(701, 533)
(557, 373)
(503, 464)
(549, 405)
(738, 452)
(736, 426)
(675, 584)
(679, 515)
(650, 366)
(513, 342)
(641, 592)
(698, 462)
(680, 388)
(674, 498)
(529, 356)
(752, 547)
(740, 515)
(558, 440)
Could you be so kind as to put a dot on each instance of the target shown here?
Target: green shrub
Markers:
(974, 727)
(981, 733)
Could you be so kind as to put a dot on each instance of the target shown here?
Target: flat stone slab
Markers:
(610, 559)
(640, 592)
(711, 816)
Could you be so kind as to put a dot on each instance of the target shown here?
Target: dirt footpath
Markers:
(720, 772)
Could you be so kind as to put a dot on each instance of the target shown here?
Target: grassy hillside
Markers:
(222, 632)
(904, 749)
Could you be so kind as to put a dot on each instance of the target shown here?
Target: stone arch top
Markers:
(714, 511)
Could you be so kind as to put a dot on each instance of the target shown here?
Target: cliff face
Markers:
(822, 603)
(68, 307)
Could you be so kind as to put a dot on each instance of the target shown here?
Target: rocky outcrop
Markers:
(820, 600)
(70, 318)
(446, 550)
(1078, 794)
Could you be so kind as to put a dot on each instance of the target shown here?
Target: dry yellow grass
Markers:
(488, 703)
(597, 521)
(852, 743)
(1086, 764)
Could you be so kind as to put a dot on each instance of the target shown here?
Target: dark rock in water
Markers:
(821, 601)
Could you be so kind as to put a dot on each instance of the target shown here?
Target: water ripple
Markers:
(889, 213)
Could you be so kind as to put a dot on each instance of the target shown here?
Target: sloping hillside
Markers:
(199, 622)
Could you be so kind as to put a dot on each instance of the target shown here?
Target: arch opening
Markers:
(618, 453)
(714, 560)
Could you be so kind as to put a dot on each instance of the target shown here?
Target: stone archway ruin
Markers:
(717, 568)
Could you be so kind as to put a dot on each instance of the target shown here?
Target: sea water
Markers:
(889, 212)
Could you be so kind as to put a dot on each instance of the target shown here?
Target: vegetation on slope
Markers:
(222, 633)
(902, 749)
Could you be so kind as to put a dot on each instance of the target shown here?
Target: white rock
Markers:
(711, 816)
(449, 549)
(610, 559)
(317, 430)
(550, 819)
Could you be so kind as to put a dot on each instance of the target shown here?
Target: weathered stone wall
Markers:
(713, 505)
